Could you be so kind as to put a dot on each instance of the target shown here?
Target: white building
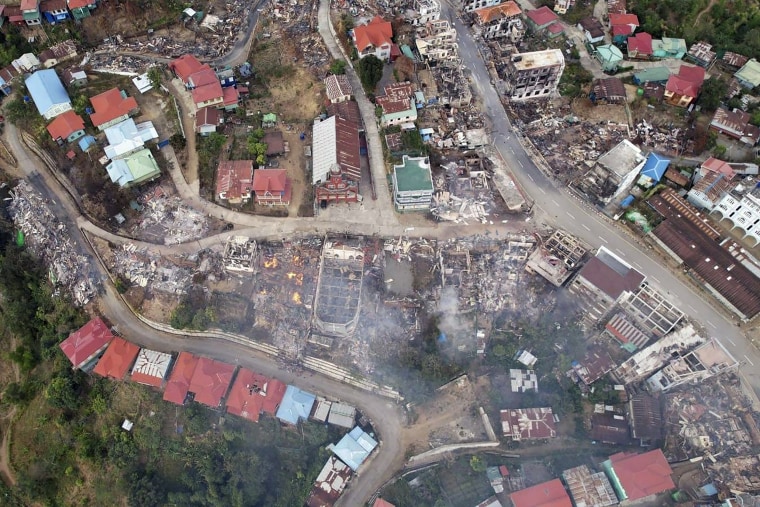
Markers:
(703, 362)
(425, 11)
(127, 137)
(412, 184)
(534, 75)
(473, 5)
(437, 41)
(503, 20)
(742, 208)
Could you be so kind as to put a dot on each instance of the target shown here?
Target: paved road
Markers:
(561, 209)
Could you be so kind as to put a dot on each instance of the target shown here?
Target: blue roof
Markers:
(46, 90)
(295, 405)
(86, 142)
(655, 167)
(354, 448)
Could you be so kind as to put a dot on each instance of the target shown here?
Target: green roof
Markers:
(270, 118)
(609, 53)
(413, 175)
(143, 166)
(750, 73)
(652, 74)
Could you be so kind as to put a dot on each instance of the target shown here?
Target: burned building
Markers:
(534, 75)
(240, 254)
(703, 362)
(453, 87)
(652, 311)
(556, 258)
(437, 41)
(503, 20)
(339, 290)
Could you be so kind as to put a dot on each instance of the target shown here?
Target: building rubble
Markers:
(169, 220)
(48, 238)
(144, 268)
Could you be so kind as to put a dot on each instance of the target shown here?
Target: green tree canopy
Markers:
(370, 70)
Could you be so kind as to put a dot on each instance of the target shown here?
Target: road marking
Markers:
(656, 280)
(711, 324)
(603, 240)
(638, 266)
(750, 362)
(568, 213)
(542, 190)
(521, 164)
(531, 178)
(555, 203)
(585, 227)
(730, 341)
(513, 151)
(620, 252)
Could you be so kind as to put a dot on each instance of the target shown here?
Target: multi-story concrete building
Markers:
(742, 208)
(473, 5)
(503, 20)
(412, 184)
(437, 41)
(534, 75)
(424, 12)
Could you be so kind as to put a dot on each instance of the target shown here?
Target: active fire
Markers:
(296, 298)
(271, 263)
(297, 277)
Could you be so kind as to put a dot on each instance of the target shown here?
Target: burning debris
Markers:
(48, 238)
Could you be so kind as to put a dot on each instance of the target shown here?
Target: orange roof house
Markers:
(111, 107)
(374, 38)
(84, 345)
(683, 88)
(272, 186)
(179, 379)
(253, 394)
(68, 127)
(210, 381)
(234, 180)
(504, 10)
(546, 494)
(117, 359)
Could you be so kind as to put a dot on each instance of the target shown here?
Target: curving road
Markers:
(562, 210)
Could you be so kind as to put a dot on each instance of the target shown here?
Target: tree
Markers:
(370, 70)
(257, 149)
(713, 91)
(62, 393)
(338, 67)
(156, 77)
(477, 464)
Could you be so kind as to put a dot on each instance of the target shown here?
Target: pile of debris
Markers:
(462, 192)
(662, 139)
(115, 64)
(144, 268)
(167, 219)
(48, 238)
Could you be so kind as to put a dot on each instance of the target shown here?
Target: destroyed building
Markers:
(603, 281)
(240, 254)
(705, 361)
(556, 258)
(452, 85)
(437, 41)
(645, 418)
(502, 20)
(528, 423)
(424, 12)
(613, 173)
(472, 5)
(651, 310)
(339, 289)
(587, 489)
(655, 356)
(462, 191)
(533, 75)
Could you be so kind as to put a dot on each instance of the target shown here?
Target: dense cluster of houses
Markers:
(187, 378)
(34, 12)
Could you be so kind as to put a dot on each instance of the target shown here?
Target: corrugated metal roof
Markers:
(117, 359)
(85, 343)
(151, 367)
(342, 415)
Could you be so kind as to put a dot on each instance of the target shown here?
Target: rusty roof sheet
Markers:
(671, 205)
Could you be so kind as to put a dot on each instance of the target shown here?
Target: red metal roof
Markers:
(382, 503)
(29, 5)
(624, 19)
(640, 43)
(185, 66)
(52, 5)
(253, 393)
(230, 96)
(270, 180)
(109, 105)
(117, 359)
(77, 4)
(546, 494)
(86, 342)
(234, 177)
(608, 280)
(210, 381)
(642, 475)
(687, 82)
(65, 124)
(542, 16)
(377, 32)
(556, 28)
(179, 380)
(207, 116)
